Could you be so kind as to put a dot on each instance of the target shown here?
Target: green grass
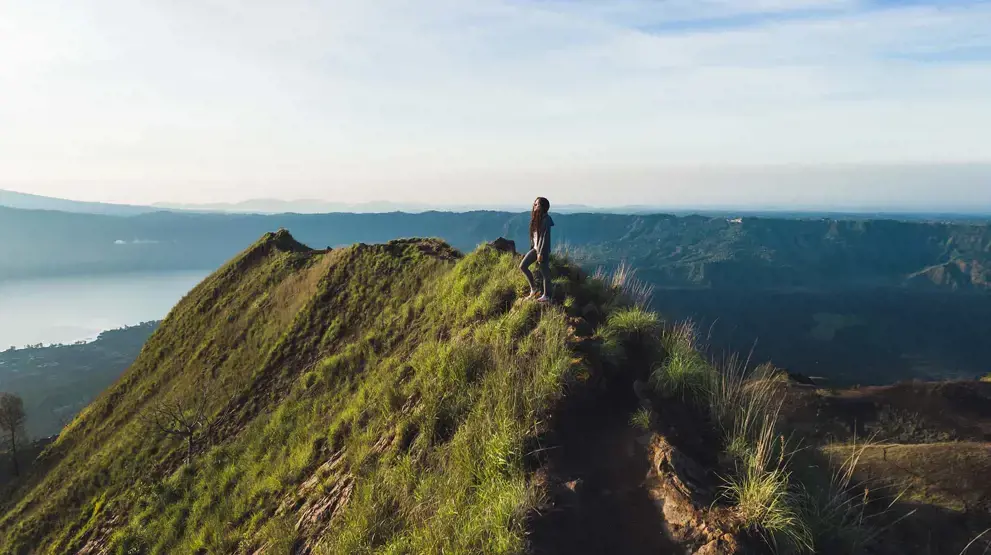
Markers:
(623, 278)
(763, 490)
(745, 408)
(641, 419)
(685, 373)
(394, 386)
(634, 323)
(381, 399)
(630, 326)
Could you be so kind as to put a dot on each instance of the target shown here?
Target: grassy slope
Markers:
(388, 387)
(952, 476)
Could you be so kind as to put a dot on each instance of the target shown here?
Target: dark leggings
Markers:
(545, 271)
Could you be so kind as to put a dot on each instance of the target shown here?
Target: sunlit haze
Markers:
(750, 103)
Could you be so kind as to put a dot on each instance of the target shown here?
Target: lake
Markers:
(66, 310)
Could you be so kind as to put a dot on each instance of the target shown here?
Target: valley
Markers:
(844, 338)
(842, 301)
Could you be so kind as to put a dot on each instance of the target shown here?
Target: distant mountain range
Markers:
(669, 251)
(12, 199)
(314, 206)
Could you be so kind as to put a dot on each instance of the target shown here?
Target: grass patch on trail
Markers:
(641, 419)
(393, 390)
(685, 373)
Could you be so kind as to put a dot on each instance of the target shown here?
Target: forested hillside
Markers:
(57, 381)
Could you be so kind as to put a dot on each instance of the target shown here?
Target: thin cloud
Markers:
(320, 97)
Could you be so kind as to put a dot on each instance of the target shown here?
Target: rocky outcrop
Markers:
(504, 245)
(684, 494)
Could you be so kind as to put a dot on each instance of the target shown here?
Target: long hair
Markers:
(537, 215)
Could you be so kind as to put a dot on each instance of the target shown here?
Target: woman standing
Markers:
(540, 249)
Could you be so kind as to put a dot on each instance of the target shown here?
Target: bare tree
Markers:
(12, 423)
(184, 417)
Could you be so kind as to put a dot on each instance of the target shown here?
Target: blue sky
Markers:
(832, 103)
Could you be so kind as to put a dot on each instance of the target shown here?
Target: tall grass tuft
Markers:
(572, 254)
(641, 419)
(623, 279)
(763, 493)
(841, 511)
(630, 330)
(634, 323)
(975, 540)
(685, 373)
(744, 403)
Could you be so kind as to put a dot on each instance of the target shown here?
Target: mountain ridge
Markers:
(265, 206)
(26, 201)
(403, 397)
(669, 251)
(278, 328)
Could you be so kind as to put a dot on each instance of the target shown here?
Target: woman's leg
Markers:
(545, 273)
(529, 259)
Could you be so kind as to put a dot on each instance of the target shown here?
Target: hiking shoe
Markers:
(544, 299)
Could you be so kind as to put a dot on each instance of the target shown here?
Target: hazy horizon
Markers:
(315, 206)
(752, 104)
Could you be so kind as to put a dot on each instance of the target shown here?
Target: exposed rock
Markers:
(504, 245)
(314, 509)
(581, 327)
(322, 496)
(800, 379)
(687, 475)
(684, 492)
(573, 486)
(592, 314)
(726, 545)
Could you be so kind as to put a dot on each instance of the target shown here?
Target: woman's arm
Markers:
(543, 241)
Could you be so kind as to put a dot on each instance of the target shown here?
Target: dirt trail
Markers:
(601, 505)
